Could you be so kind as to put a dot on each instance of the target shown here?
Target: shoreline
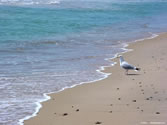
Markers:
(102, 69)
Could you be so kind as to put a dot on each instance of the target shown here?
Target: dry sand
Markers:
(136, 99)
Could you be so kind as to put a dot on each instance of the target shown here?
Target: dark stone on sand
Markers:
(155, 92)
(152, 85)
(72, 106)
(141, 110)
(98, 122)
(139, 82)
(111, 104)
(119, 98)
(138, 107)
(157, 112)
(77, 110)
(147, 98)
(65, 114)
(117, 88)
(110, 111)
(134, 100)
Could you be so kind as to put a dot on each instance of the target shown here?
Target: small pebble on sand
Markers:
(134, 100)
(98, 122)
(155, 92)
(65, 114)
(147, 98)
(77, 110)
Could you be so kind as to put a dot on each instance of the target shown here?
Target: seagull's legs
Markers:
(126, 72)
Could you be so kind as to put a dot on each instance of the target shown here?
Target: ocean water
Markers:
(48, 45)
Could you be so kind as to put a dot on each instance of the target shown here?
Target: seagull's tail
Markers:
(137, 69)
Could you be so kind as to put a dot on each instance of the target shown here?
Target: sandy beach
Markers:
(134, 99)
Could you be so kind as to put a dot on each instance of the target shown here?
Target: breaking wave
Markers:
(28, 2)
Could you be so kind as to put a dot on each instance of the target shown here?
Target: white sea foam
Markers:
(28, 2)
(46, 97)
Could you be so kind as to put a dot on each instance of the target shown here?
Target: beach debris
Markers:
(65, 114)
(119, 98)
(98, 122)
(133, 100)
(157, 112)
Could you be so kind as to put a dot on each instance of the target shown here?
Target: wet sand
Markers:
(134, 99)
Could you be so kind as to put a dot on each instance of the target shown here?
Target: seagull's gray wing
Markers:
(126, 65)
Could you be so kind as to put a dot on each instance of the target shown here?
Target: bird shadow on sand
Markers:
(132, 74)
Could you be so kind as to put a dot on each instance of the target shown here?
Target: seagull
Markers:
(126, 65)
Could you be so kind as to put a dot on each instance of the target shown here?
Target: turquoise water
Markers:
(46, 47)
(31, 23)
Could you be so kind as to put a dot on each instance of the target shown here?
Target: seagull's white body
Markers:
(125, 65)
